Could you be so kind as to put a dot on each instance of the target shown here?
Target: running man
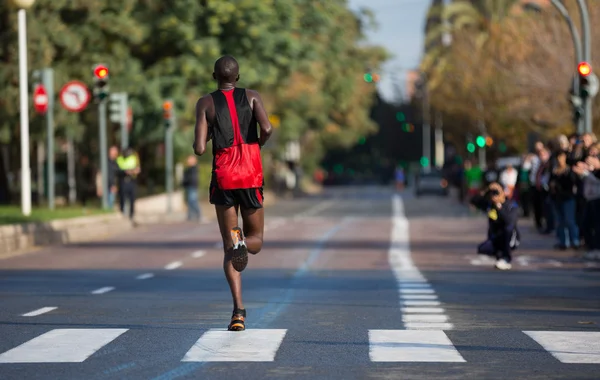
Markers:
(229, 117)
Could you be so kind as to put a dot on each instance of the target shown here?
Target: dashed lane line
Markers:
(173, 265)
(103, 290)
(41, 311)
(145, 276)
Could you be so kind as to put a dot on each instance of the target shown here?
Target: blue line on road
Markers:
(274, 307)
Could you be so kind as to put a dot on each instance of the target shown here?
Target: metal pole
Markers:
(71, 169)
(578, 54)
(124, 131)
(481, 125)
(24, 113)
(48, 81)
(439, 141)
(426, 125)
(587, 57)
(103, 152)
(169, 166)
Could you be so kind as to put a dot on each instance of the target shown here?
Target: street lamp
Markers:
(24, 107)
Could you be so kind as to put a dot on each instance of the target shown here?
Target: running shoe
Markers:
(239, 258)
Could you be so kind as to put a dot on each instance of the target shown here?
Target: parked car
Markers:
(431, 182)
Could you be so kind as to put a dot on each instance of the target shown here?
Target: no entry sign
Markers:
(40, 99)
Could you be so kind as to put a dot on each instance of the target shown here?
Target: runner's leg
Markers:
(228, 218)
(254, 223)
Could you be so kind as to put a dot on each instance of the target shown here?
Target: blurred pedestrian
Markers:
(113, 174)
(562, 191)
(237, 177)
(129, 168)
(400, 178)
(508, 180)
(190, 185)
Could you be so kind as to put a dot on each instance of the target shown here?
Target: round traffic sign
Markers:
(40, 99)
(74, 96)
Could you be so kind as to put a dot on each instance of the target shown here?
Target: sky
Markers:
(400, 30)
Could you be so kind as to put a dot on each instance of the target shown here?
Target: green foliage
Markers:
(303, 55)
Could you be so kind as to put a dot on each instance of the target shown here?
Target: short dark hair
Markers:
(226, 69)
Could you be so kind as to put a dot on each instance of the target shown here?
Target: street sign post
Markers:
(74, 96)
(118, 114)
(40, 99)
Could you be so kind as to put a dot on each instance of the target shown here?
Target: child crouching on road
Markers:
(503, 234)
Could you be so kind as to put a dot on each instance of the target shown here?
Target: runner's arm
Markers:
(263, 120)
(201, 129)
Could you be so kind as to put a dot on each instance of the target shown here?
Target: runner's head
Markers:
(226, 70)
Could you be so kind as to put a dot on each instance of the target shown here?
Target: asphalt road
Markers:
(355, 283)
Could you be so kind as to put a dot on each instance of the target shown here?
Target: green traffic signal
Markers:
(502, 147)
(368, 77)
(400, 117)
(471, 147)
(480, 141)
(424, 161)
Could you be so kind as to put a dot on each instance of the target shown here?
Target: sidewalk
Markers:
(20, 238)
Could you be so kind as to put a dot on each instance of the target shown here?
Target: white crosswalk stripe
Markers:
(581, 347)
(61, 346)
(411, 346)
(424, 341)
(252, 345)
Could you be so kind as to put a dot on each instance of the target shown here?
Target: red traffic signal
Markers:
(584, 69)
(167, 108)
(101, 72)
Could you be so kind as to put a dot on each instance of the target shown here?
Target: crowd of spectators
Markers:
(558, 185)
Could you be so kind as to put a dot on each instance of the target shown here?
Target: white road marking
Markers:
(41, 311)
(145, 276)
(173, 265)
(418, 297)
(198, 254)
(412, 285)
(421, 318)
(420, 303)
(61, 346)
(408, 285)
(412, 346)
(423, 310)
(253, 345)
(417, 291)
(581, 347)
(428, 326)
(103, 290)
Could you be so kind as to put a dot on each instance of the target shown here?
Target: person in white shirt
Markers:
(508, 180)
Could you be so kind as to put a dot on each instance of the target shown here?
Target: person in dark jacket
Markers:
(563, 182)
(503, 235)
(190, 184)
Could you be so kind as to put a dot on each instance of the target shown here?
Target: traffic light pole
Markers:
(481, 126)
(576, 96)
(48, 82)
(426, 126)
(169, 166)
(587, 57)
(103, 151)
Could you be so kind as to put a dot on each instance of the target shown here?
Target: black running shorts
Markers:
(246, 198)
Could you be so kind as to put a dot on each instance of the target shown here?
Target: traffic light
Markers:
(480, 141)
(470, 147)
(424, 161)
(585, 70)
(502, 147)
(370, 77)
(407, 127)
(489, 141)
(400, 117)
(117, 107)
(100, 82)
(168, 112)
